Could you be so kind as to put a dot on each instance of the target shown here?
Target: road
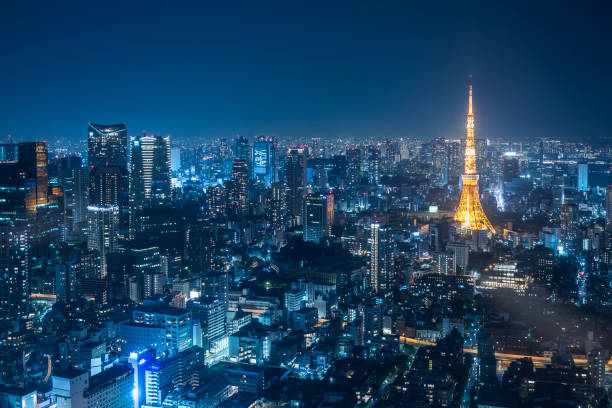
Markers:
(538, 361)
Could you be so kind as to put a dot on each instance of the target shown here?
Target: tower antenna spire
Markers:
(470, 212)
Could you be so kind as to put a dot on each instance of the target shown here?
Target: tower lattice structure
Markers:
(470, 212)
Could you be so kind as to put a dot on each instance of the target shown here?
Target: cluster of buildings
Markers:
(259, 272)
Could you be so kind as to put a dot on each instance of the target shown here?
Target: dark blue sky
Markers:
(302, 69)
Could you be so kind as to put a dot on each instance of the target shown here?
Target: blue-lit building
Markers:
(178, 324)
(264, 159)
(583, 177)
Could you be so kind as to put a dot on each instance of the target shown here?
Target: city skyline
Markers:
(308, 205)
(398, 71)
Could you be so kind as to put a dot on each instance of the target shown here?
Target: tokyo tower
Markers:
(470, 212)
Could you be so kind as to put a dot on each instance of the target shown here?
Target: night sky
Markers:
(303, 69)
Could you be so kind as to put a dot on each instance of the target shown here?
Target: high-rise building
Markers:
(510, 166)
(486, 359)
(150, 172)
(583, 177)
(381, 259)
(470, 212)
(107, 145)
(317, 216)
(66, 281)
(374, 164)
(295, 169)
(353, 160)
(241, 149)
(14, 271)
(264, 159)
(440, 158)
(80, 201)
(102, 236)
(33, 161)
(107, 158)
(175, 160)
(278, 205)
(569, 229)
(597, 359)
(371, 315)
(238, 192)
(210, 312)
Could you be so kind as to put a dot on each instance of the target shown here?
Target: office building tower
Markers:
(102, 235)
(317, 216)
(150, 172)
(14, 271)
(381, 259)
(353, 163)
(583, 177)
(238, 192)
(33, 161)
(201, 249)
(80, 201)
(295, 169)
(178, 324)
(241, 149)
(211, 313)
(107, 145)
(510, 167)
(264, 159)
(107, 158)
(469, 212)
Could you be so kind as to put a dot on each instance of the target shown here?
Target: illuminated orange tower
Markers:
(470, 212)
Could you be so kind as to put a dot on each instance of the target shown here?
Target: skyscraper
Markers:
(510, 166)
(569, 229)
(470, 212)
(381, 259)
(241, 148)
(317, 216)
(295, 168)
(264, 159)
(102, 233)
(353, 160)
(33, 162)
(107, 161)
(14, 271)
(107, 145)
(374, 164)
(583, 177)
(150, 172)
(239, 189)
